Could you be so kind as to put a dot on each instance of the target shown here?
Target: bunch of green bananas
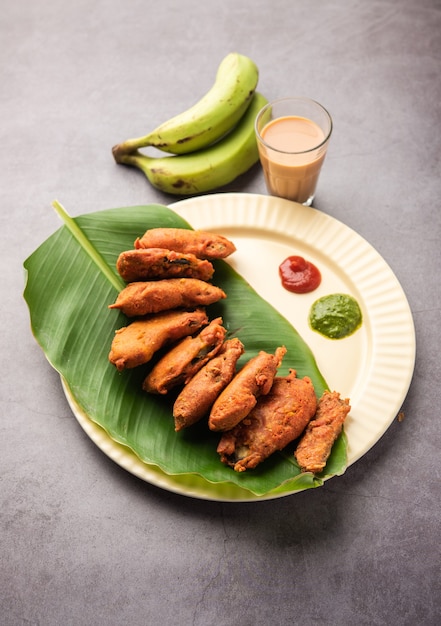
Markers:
(211, 143)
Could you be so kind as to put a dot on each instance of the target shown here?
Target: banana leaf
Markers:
(70, 281)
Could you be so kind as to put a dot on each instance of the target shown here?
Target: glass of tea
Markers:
(293, 136)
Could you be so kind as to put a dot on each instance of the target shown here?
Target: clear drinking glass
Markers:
(293, 136)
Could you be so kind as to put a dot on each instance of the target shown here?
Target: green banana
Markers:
(211, 117)
(207, 169)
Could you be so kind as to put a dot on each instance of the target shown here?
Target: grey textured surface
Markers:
(84, 542)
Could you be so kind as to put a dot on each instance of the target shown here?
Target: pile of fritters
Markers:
(256, 411)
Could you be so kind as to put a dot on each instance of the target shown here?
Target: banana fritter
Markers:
(315, 445)
(277, 419)
(199, 394)
(155, 263)
(143, 298)
(185, 359)
(202, 244)
(136, 344)
(240, 395)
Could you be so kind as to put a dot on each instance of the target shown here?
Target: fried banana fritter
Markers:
(156, 263)
(185, 359)
(277, 419)
(240, 395)
(202, 244)
(315, 445)
(143, 298)
(136, 344)
(198, 396)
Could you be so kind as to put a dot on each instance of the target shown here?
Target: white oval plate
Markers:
(373, 367)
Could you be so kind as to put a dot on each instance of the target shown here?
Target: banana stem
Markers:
(136, 159)
(129, 147)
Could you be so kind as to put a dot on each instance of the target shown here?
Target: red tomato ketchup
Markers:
(299, 275)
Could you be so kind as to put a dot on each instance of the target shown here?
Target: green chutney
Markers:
(335, 316)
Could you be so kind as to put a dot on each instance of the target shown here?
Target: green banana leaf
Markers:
(70, 281)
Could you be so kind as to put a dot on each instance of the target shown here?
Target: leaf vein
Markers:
(87, 245)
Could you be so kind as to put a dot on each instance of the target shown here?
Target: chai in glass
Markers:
(293, 136)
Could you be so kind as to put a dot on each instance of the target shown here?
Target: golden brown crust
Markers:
(185, 358)
(144, 298)
(156, 263)
(136, 344)
(203, 245)
(240, 396)
(315, 445)
(277, 419)
(198, 396)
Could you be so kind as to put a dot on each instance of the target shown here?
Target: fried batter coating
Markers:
(155, 263)
(135, 344)
(240, 396)
(315, 445)
(185, 359)
(143, 298)
(277, 419)
(202, 244)
(199, 394)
